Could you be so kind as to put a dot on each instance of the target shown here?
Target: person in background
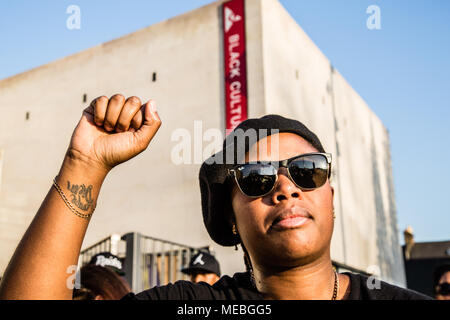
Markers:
(203, 267)
(107, 259)
(441, 282)
(100, 283)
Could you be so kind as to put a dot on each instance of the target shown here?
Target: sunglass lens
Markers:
(256, 179)
(444, 289)
(309, 172)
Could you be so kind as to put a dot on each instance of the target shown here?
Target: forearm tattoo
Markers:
(81, 196)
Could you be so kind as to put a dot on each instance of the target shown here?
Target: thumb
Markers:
(150, 123)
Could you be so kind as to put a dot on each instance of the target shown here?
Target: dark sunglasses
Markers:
(443, 289)
(308, 171)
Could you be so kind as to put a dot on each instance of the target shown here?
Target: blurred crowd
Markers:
(103, 277)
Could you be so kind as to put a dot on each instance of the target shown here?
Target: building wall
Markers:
(287, 74)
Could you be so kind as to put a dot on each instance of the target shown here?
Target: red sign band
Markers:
(235, 64)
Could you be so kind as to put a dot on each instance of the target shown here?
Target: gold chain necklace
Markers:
(335, 290)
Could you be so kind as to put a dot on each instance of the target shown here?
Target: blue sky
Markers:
(402, 71)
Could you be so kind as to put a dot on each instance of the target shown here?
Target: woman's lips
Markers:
(291, 218)
(290, 222)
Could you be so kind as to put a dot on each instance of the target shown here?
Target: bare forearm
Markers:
(52, 243)
(110, 132)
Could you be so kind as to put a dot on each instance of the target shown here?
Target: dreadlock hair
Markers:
(248, 264)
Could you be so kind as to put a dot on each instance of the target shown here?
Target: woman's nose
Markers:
(285, 188)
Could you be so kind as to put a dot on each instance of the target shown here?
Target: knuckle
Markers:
(118, 98)
(100, 100)
(134, 100)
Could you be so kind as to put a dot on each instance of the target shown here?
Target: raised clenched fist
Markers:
(112, 131)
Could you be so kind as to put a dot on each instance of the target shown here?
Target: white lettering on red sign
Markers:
(235, 64)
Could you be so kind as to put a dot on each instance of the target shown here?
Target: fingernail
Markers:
(152, 106)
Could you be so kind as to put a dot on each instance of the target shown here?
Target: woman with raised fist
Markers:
(268, 190)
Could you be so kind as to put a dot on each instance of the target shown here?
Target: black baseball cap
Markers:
(213, 176)
(203, 262)
(108, 260)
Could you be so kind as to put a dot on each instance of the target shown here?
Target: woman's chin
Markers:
(296, 239)
(289, 253)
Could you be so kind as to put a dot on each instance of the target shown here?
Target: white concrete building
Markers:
(180, 64)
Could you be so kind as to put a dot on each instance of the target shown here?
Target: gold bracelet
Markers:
(69, 205)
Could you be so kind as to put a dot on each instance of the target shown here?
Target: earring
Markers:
(234, 230)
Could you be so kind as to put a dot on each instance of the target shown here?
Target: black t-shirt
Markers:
(239, 287)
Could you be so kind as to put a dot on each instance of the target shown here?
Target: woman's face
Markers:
(445, 278)
(293, 240)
